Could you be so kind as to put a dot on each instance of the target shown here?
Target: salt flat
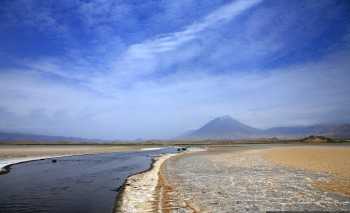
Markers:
(245, 179)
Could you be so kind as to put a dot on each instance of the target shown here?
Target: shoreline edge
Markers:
(139, 192)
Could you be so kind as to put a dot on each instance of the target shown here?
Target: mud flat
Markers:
(251, 179)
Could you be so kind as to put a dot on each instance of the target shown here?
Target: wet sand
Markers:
(140, 193)
(334, 161)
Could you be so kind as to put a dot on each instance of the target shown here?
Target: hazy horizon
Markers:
(124, 70)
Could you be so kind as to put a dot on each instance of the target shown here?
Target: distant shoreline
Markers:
(13, 154)
(5, 165)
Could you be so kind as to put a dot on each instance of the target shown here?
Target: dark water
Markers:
(74, 184)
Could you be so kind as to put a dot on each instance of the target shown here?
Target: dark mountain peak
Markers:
(224, 117)
(227, 123)
(223, 127)
(226, 120)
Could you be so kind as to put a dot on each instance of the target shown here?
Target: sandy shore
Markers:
(14, 154)
(253, 178)
(149, 191)
(246, 179)
(140, 192)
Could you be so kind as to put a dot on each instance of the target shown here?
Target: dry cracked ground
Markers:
(243, 179)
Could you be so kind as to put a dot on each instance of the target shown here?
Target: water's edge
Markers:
(6, 164)
(121, 189)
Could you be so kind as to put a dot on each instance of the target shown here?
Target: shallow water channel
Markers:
(86, 183)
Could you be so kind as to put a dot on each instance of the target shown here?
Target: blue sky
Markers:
(155, 69)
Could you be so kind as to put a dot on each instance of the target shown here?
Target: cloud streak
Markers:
(180, 102)
(144, 58)
(236, 59)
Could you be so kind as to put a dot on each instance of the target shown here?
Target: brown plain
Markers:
(328, 159)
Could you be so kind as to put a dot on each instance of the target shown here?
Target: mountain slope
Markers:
(23, 137)
(222, 128)
(226, 127)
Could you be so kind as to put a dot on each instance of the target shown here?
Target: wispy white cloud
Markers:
(301, 94)
(169, 83)
(142, 58)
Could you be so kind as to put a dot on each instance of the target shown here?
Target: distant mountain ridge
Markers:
(24, 137)
(222, 127)
(226, 127)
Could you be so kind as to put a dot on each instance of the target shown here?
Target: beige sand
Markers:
(140, 194)
(332, 160)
